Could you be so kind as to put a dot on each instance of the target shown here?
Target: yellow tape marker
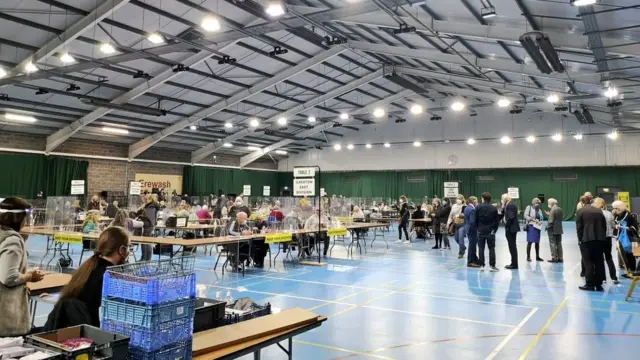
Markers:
(68, 238)
(337, 232)
(277, 238)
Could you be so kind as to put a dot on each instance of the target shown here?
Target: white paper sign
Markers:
(322, 193)
(304, 187)
(266, 191)
(514, 192)
(304, 172)
(77, 187)
(135, 188)
(246, 190)
(450, 189)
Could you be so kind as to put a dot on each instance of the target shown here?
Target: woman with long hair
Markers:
(123, 220)
(86, 282)
(14, 275)
(91, 222)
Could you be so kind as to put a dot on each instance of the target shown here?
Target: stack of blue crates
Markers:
(153, 303)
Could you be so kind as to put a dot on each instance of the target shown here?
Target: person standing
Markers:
(456, 223)
(471, 229)
(600, 203)
(554, 230)
(591, 227)
(437, 229)
(533, 218)
(487, 220)
(511, 229)
(443, 215)
(404, 220)
(626, 229)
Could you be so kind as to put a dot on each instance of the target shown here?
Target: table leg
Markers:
(291, 348)
(32, 310)
(256, 355)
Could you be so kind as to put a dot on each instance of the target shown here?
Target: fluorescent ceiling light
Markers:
(3, 73)
(20, 117)
(553, 98)
(613, 135)
(253, 148)
(114, 130)
(577, 136)
(227, 145)
(228, 125)
(416, 109)
(471, 141)
(557, 137)
(505, 139)
(337, 147)
(275, 9)
(66, 58)
(282, 121)
(281, 152)
(387, 145)
(350, 146)
(457, 106)
(344, 116)
(368, 146)
(155, 38)
(417, 143)
(107, 48)
(488, 12)
(193, 127)
(378, 112)
(611, 92)
(254, 123)
(210, 24)
(531, 139)
(583, 2)
(504, 102)
(30, 68)
(311, 119)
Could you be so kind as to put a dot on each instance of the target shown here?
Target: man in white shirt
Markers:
(313, 223)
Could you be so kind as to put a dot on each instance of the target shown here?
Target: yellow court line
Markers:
(353, 294)
(543, 329)
(437, 316)
(342, 350)
(513, 333)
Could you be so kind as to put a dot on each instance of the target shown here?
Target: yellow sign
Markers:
(337, 232)
(624, 197)
(159, 181)
(277, 238)
(344, 219)
(68, 238)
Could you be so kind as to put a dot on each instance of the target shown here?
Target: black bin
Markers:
(209, 314)
(106, 345)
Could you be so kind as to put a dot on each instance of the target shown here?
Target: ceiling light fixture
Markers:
(253, 148)
(193, 127)
(387, 145)
(3, 73)
(378, 112)
(114, 130)
(611, 92)
(337, 147)
(30, 67)
(344, 116)
(311, 119)
(416, 109)
(368, 146)
(275, 10)
(350, 146)
(20, 117)
(210, 24)
(471, 141)
(613, 135)
(582, 2)
(487, 11)
(281, 152)
(457, 106)
(557, 137)
(553, 98)
(107, 48)
(504, 102)
(505, 139)
(155, 38)
(66, 58)
(227, 145)
(417, 143)
(254, 123)
(577, 136)
(228, 125)
(531, 139)
(282, 121)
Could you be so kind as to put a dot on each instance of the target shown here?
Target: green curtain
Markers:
(24, 175)
(202, 181)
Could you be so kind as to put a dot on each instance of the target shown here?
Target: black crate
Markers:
(105, 345)
(209, 314)
(256, 311)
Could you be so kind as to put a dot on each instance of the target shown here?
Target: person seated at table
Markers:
(204, 215)
(112, 209)
(276, 213)
(123, 220)
(91, 222)
(94, 204)
(239, 206)
(259, 248)
(238, 227)
(81, 298)
(312, 223)
(357, 213)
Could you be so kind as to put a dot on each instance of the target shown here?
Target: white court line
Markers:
(283, 295)
(437, 316)
(513, 333)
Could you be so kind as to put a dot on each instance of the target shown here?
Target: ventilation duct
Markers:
(579, 117)
(542, 52)
(587, 115)
(550, 53)
(405, 83)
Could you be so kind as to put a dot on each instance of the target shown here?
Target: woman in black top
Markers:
(86, 283)
(630, 223)
(404, 219)
(442, 214)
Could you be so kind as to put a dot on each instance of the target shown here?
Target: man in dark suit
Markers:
(511, 229)
(487, 220)
(591, 227)
(471, 229)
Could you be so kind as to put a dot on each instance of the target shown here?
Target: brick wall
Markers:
(112, 175)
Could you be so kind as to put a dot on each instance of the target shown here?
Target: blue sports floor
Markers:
(412, 302)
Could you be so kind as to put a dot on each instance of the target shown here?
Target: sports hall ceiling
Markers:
(224, 76)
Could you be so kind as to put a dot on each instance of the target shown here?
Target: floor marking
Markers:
(543, 329)
(436, 316)
(469, 300)
(370, 301)
(381, 287)
(513, 333)
(276, 294)
(268, 280)
(342, 350)
(573, 269)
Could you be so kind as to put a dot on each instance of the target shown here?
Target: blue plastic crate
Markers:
(149, 316)
(179, 351)
(149, 291)
(152, 339)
